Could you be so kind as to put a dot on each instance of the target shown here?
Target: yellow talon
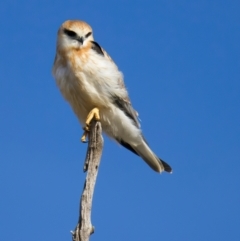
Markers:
(84, 137)
(94, 113)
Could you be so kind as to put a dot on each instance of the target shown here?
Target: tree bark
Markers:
(84, 227)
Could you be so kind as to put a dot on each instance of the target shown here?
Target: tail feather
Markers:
(167, 167)
(144, 151)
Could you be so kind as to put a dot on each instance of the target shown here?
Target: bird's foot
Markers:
(93, 114)
(85, 135)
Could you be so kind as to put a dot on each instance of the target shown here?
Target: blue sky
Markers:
(181, 62)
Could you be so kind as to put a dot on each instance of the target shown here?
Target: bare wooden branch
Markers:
(84, 227)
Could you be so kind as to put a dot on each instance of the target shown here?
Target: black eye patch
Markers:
(70, 33)
(88, 34)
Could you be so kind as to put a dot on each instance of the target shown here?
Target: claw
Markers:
(93, 114)
(84, 137)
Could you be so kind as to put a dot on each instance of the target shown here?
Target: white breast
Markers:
(88, 84)
(92, 84)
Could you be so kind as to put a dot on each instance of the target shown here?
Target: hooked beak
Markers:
(80, 40)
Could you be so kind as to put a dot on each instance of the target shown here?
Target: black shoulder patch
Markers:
(97, 48)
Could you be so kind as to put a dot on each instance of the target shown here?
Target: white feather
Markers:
(90, 80)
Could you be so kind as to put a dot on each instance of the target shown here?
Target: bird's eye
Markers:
(88, 34)
(70, 33)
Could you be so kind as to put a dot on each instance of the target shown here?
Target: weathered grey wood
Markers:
(84, 227)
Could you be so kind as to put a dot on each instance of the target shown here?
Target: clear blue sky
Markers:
(181, 62)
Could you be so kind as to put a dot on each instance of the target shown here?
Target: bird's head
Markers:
(74, 34)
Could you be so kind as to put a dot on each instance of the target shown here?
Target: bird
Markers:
(93, 85)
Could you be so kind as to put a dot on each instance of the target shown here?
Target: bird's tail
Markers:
(157, 164)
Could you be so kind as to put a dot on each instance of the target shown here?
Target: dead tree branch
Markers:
(84, 227)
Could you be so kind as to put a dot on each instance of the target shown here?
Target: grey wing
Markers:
(122, 103)
(127, 108)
